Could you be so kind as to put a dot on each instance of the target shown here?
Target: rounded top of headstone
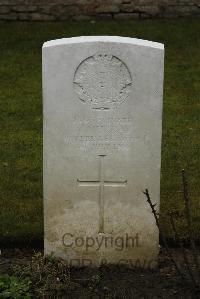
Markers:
(106, 39)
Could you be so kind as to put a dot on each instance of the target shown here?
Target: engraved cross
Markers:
(101, 183)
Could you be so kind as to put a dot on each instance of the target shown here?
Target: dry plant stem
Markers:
(188, 218)
(179, 242)
(161, 234)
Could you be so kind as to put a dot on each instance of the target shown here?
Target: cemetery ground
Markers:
(21, 199)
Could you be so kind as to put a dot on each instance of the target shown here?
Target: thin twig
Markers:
(162, 237)
(188, 218)
(179, 242)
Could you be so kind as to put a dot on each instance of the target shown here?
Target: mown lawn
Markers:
(21, 214)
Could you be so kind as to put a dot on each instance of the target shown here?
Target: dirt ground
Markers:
(118, 281)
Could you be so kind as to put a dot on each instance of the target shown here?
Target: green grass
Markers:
(21, 214)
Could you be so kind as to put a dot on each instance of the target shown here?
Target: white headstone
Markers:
(102, 148)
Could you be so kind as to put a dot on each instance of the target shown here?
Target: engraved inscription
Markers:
(102, 133)
(102, 81)
(101, 183)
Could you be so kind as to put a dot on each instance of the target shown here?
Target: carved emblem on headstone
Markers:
(102, 81)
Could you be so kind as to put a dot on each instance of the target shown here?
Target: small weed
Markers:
(14, 288)
(95, 281)
(50, 276)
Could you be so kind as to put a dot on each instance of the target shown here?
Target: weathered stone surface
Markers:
(89, 9)
(9, 17)
(108, 8)
(127, 16)
(41, 17)
(8, 2)
(102, 147)
(4, 9)
(150, 9)
(24, 8)
(23, 16)
(60, 10)
(183, 9)
(66, 9)
(127, 7)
